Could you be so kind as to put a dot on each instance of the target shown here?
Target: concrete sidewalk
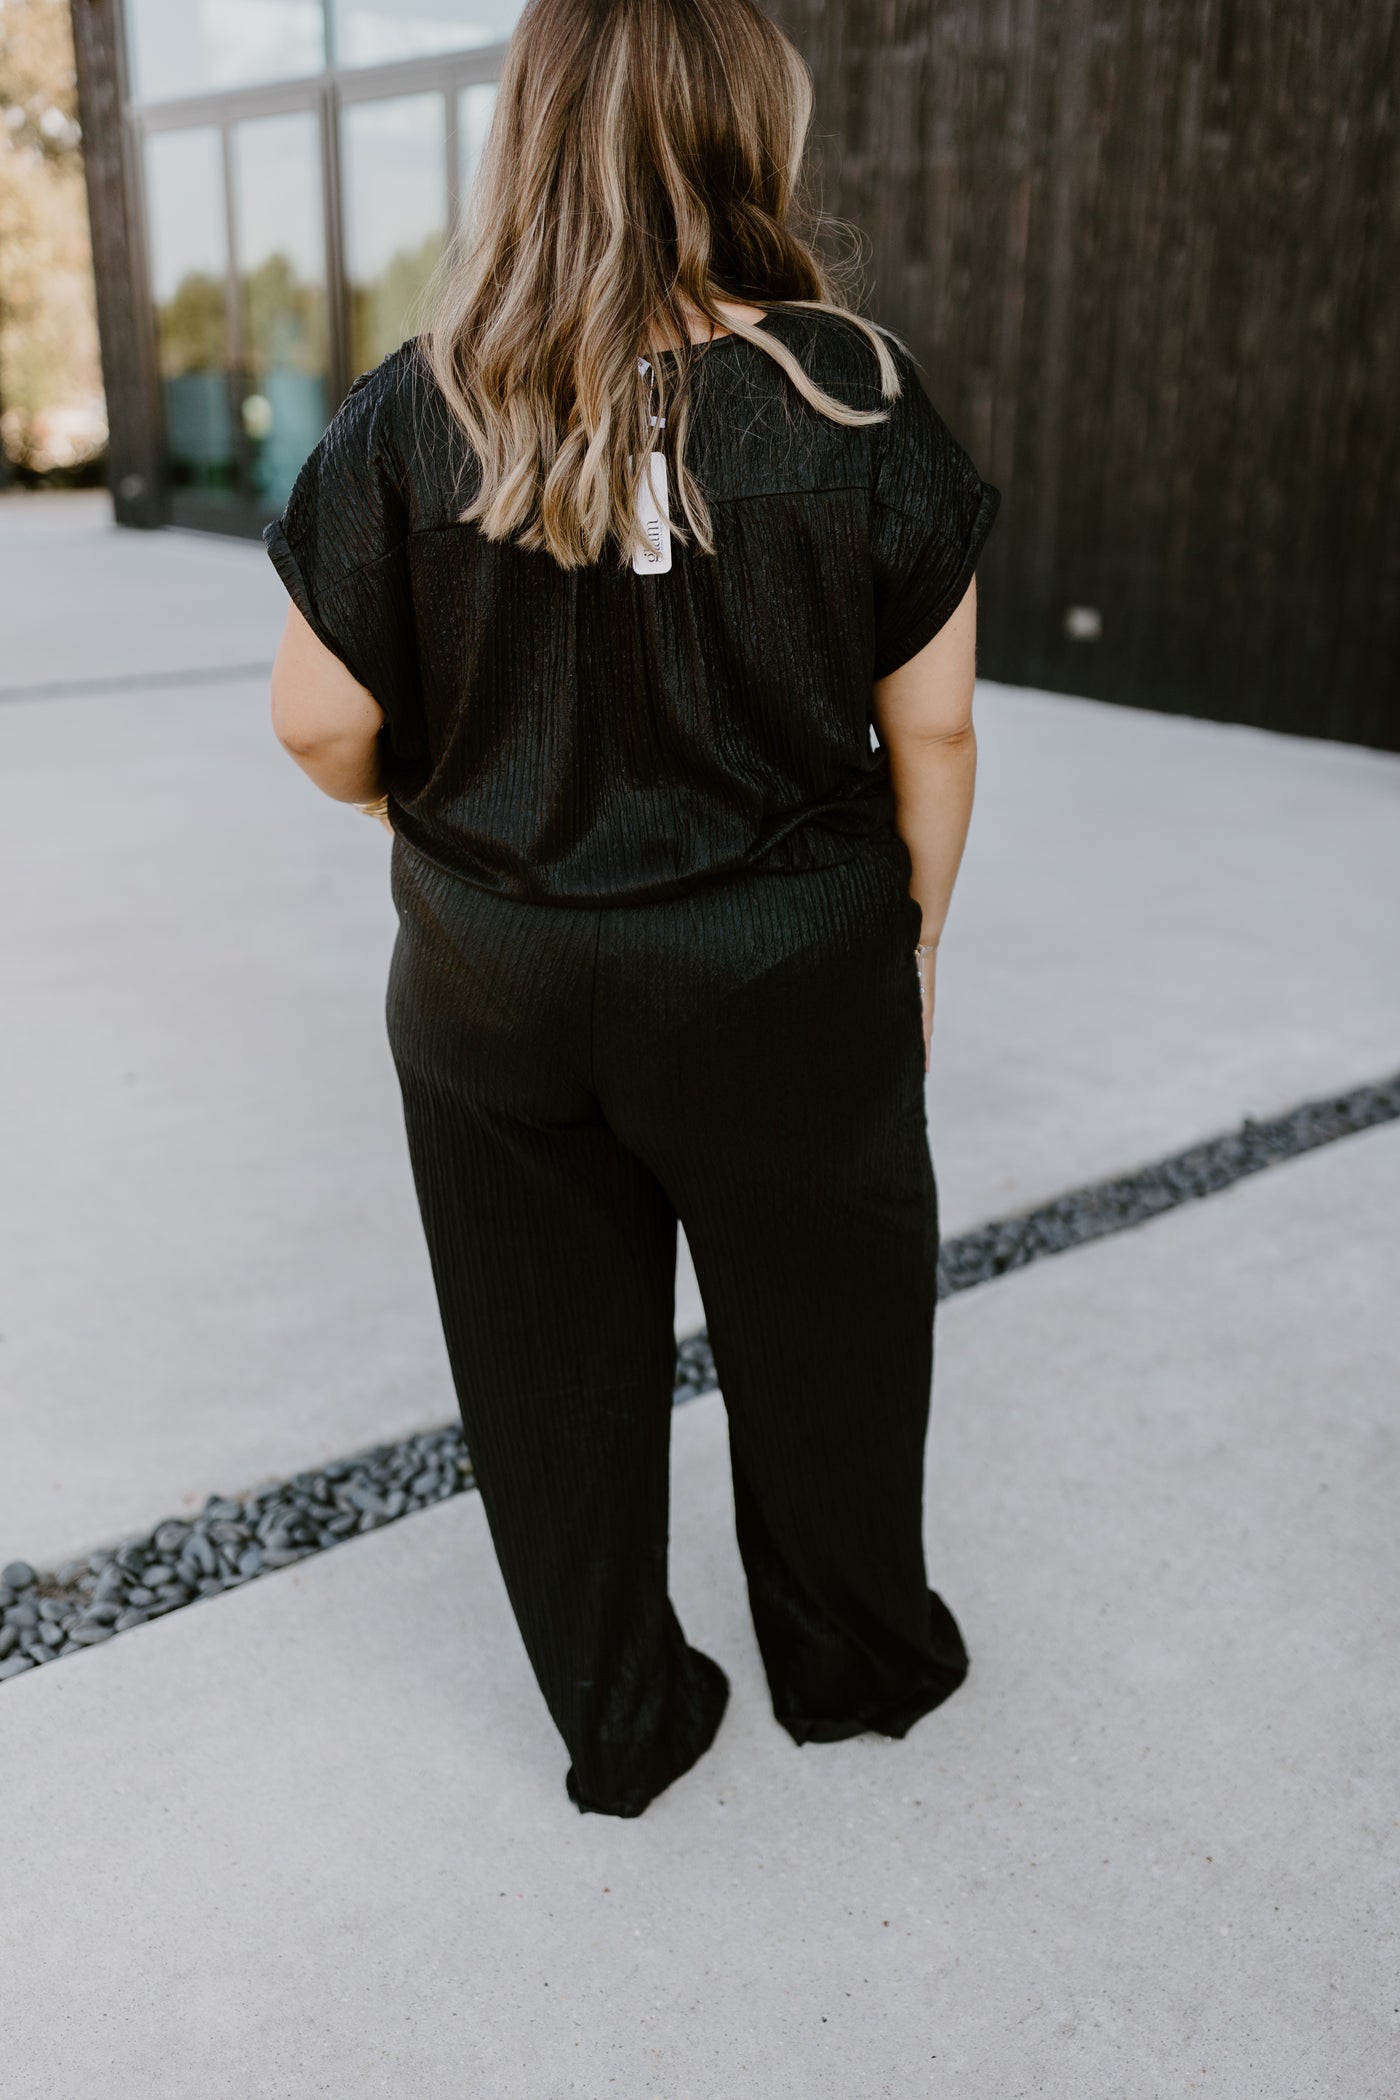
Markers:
(211, 1267)
(86, 602)
(311, 1837)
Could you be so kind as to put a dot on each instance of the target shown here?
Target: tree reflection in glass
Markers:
(280, 234)
(395, 161)
(189, 269)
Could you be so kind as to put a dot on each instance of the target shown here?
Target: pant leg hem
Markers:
(637, 1802)
(940, 1679)
(894, 1721)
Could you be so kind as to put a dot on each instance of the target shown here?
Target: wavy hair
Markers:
(642, 153)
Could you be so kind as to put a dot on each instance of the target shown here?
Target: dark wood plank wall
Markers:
(1149, 253)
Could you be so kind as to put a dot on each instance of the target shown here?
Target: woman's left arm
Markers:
(325, 718)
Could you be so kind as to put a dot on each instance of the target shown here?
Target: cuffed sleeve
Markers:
(932, 513)
(341, 544)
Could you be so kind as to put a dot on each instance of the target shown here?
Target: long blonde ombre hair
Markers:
(641, 153)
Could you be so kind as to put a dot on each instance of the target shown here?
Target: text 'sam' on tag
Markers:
(654, 519)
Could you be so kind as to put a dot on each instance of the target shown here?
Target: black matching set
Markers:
(654, 962)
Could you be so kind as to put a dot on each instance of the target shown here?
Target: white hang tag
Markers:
(654, 518)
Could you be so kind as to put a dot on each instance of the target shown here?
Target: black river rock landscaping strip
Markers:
(233, 1540)
(236, 1539)
(1131, 1199)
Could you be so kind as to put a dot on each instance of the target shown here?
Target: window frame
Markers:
(327, 94)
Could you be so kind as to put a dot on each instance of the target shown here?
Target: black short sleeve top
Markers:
(597, 735)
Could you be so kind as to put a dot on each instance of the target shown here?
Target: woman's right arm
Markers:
(923, 716)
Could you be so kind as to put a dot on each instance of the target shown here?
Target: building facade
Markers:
(1145, 252)
(271, 183)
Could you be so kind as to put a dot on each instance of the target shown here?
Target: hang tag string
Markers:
(656, 422)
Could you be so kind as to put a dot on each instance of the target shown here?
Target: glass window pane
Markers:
(280, 233)
(185, 47)
(395, 183)
(474, 107)
(374, 32)
(189, 271)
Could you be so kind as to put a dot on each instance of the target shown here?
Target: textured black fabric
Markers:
(653, 961)
(749, 1057)
(597, 735)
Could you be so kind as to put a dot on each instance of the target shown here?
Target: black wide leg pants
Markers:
(747, 1057)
